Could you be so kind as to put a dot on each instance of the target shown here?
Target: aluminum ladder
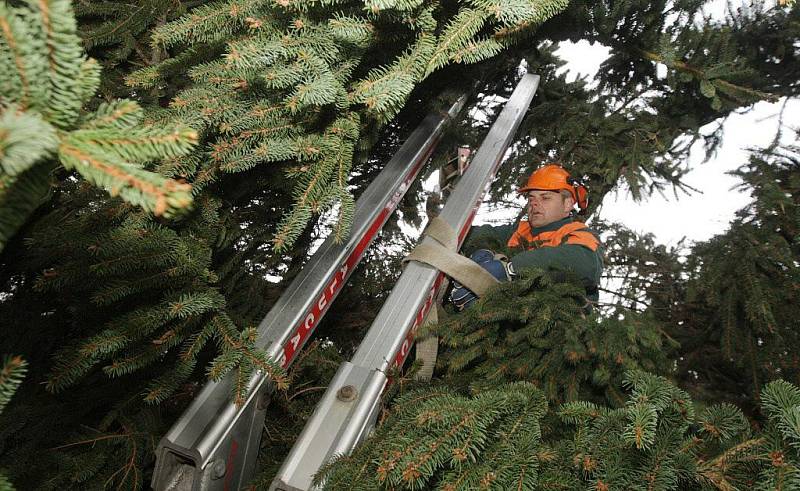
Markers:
(347, 411)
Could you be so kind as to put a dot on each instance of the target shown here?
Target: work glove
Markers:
(496, 264)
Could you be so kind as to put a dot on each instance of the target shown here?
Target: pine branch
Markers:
(16, 46)
(207, 23)
(20, 196)
(709, 82)
(46, 80)
(64, 56)
(153, 193)
(463, 27)
(119, 115)
(11, 376)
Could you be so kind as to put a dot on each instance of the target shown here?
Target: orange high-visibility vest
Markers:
(570, 233)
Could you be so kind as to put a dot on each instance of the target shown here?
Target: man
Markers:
(550, 238)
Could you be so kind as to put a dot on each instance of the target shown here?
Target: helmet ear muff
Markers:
(580, 192)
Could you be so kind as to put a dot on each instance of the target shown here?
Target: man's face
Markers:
(546, 207)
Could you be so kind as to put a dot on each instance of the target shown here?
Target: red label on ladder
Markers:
(303, 330)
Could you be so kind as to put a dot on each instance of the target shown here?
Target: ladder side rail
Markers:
(348, 409)
(214, 444)
(316, 291)
(458, 212)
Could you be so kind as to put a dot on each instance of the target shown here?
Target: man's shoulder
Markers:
(576, 224)
(578, 233)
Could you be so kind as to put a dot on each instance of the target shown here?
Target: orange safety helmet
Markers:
(553, 177)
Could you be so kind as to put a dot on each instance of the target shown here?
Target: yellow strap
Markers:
(442, 232)
(428, 348)
(440, 252)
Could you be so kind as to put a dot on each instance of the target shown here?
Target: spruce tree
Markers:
(641, 274)
(117, 35)
(634, 127)
(436, 436)
(501, 438)
(45, 83)
(537, 329)
(323, 84)
(197, 283)
(741, 292)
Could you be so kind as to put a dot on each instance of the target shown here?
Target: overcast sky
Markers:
(700, 216)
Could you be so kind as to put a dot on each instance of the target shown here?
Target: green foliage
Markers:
(78, 440)
(536, 329)
(623, 130)
(117, 35)
(111, 454)
(45, 82)
(741, 288)
(641, 274)
(287, 97)
(770, 29)
(139, 297)
(439, 439)
(721, 61)
(257, 109)
(780, 402)
(656, 441)
(183, 321)
(11, 375)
